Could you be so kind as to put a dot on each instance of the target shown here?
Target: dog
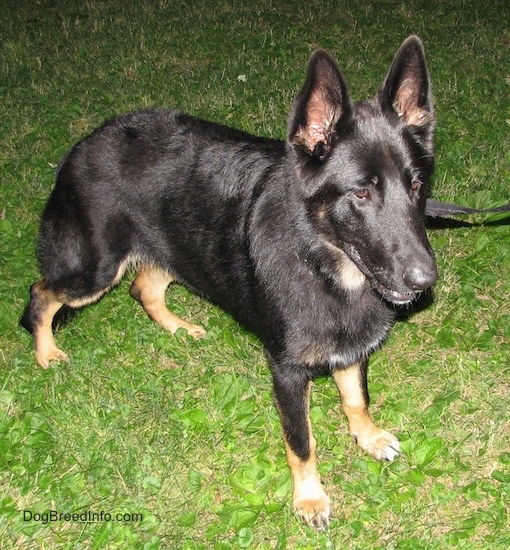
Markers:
(314, 244)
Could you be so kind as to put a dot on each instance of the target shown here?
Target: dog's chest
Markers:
(336, 333)
(328, 352)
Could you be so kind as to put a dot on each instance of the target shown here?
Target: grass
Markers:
(183, 432)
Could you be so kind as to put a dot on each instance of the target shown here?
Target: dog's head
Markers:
(365, 169)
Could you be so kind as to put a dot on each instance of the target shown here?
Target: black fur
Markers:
(312, 244)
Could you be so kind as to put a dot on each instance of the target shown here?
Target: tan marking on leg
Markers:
(377, 442)
(44, 306)
(149, 289)
(310, 501)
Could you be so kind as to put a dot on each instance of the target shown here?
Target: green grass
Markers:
(184, 432)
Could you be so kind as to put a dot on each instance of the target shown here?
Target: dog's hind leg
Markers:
(43, 306)
(48, 296)
(38, 318)
(352, 385)
(292, 396)
(149, 289)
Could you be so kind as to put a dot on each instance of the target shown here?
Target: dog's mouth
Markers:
(393, 296)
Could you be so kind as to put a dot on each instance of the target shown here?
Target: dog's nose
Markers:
(420, 277)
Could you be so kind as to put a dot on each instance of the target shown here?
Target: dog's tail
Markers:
(435, 208)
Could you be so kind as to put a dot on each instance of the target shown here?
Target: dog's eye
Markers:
(362, 193)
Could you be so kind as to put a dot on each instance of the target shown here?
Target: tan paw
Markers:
(44, 356)
(314, 511)
(196, 331)
(379, 443)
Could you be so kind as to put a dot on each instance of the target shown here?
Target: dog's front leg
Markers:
(292, 395)
(353, 388)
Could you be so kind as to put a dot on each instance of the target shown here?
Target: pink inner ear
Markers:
(317, 121)
(406, 105)
(316, 129)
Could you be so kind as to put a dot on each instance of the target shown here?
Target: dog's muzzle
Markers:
(417, 280)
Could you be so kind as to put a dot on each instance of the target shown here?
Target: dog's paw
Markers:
(196, 331)
(44, 356)
(314, 511)
(379, 443)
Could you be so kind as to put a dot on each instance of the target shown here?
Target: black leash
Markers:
(434, 208)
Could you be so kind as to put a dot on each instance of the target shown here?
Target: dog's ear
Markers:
(323, 100)
(406, 90)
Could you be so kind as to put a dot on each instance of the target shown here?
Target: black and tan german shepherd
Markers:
(313, 244)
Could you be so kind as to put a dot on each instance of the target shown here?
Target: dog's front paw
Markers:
(379, 443)
(196, 331)
(314, 511)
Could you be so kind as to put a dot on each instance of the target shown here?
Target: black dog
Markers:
(312, 244)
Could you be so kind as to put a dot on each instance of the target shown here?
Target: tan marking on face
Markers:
(347, 271)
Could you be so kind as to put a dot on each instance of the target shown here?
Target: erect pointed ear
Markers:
(319, 106)
(406, 89)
